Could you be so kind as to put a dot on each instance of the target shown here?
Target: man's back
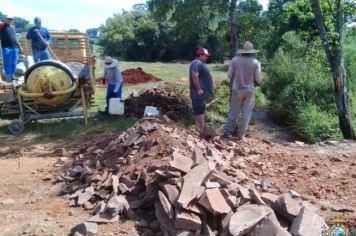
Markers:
(8, 36)
(245, 72)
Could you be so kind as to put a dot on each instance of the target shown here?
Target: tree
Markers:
(203, 16)
(331, 38)
(73, 31)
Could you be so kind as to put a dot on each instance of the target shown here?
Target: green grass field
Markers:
(72, 129)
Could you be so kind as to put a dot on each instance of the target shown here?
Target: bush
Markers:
(314, 125)
(299, 85)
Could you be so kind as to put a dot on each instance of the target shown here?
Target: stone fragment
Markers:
(270, 199)
(91, 228)
(294, 194)
(256, 197)
(133, 136)
(115, 183)
(116, 205)
(214, 202)
(244, 194)
(103, 218)
(192, 180)
(167, 207)
(83, 197)
(288, 207)
(99, 208)
(198, 156)
(209, 184)
(246, 218)
(206, 230)
(342, 208)
(187, 221)
(181, 163)
(307, 223)
(268, 227)
(170, 191)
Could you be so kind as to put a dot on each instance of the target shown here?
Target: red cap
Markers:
(203, 51)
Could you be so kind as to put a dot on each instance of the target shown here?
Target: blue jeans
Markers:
(110, 94)
(9, 57)
(40, 55)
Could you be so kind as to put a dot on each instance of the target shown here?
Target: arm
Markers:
(230, 73)
(28, 35)
(48, 36)
(195, 78)
(118, 79)
(258, 74)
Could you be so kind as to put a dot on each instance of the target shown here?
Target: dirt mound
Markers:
(167, 102)
(169, 179)
(138, 75)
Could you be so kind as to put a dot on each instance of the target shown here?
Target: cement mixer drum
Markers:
(47, 77)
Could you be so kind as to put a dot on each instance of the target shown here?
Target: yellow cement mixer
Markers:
(52, 88)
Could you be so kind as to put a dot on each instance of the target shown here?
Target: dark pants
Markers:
(110, 94)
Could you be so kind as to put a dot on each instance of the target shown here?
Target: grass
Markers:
(59, 130)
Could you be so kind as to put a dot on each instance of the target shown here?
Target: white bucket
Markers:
(116, 106)
(151, 111)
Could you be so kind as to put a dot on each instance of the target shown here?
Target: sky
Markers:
(70, 14)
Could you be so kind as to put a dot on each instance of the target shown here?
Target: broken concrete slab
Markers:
(133, 136)
(307, 223)
(246, 217)
(214, 202)
(191, 183)
(294, 194)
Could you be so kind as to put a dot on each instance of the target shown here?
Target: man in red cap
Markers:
(201, 87)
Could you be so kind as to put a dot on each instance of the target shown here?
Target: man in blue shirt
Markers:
(10, 47)
(112, 73)
(201, 87)
(40, 39)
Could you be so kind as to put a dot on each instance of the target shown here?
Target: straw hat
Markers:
(247, 48)
(110, 63)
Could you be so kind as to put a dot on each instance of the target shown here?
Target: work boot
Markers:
(103, 113)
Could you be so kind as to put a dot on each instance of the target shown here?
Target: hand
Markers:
(200, 92)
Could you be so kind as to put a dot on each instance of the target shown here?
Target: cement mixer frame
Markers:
(31, 106)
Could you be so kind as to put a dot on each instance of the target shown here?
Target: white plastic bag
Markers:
(151, 111)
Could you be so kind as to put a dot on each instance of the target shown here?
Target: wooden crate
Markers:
(68, 47)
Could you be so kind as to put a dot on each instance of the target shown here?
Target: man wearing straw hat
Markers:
(244, 73)
(112, 73)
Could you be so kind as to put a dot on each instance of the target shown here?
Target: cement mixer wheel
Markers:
(16, 127)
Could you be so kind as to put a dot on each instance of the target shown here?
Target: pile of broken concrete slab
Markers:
(171, 182)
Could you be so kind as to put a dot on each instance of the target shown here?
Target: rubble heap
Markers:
(169, 180)
(138, 75)
(168, 102)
